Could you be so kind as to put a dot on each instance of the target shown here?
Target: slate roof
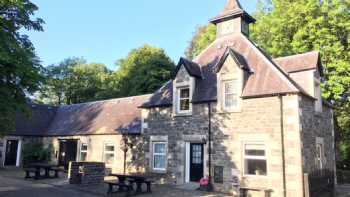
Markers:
(265, 78)
(192, 68)
(36, 122)
(116, 116)
(300, 62)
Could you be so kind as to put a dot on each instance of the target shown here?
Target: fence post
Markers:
(306, 185)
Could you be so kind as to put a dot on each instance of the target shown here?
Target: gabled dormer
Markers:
(232, 72)
(184, 83)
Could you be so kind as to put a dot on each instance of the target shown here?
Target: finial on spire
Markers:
(232, 5)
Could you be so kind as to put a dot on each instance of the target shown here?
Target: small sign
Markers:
(218, 174)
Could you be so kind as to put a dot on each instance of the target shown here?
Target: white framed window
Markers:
(230, 96)
(183, 100)
(319, 156)
(83, 151)
(159, 159)
(109, 153)
(255, 160)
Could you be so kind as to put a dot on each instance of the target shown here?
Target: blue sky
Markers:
(106, 30)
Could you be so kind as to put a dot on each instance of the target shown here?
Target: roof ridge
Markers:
(278, 68)
(295, 55)
(107, 100)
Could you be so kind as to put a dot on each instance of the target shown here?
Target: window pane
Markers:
(159, 161)
(184, 104)
(230, 87)
(84, 147)
(109, 147)
(185, 93)
(83, 156)
(255, 152)
(109, 158)
(255, 167)
(230, 100)
(159, 148)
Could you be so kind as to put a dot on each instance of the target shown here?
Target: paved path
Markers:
(14, 187)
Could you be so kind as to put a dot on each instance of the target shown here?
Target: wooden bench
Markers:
(149, 184)
(56, 170)
(121, 187)
(244, 191)
(30, 171)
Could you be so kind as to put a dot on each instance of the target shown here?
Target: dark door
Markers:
(196, 162)
(68, 152)
(11, 152)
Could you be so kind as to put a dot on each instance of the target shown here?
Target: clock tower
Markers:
(232, 20)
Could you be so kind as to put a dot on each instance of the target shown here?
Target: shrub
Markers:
(36, 152)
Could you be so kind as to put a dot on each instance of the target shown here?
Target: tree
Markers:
(85, 84)
(143, 71)
(56, 84)
(304, 25)
(74, 81)
(20, 70)
(203, 36)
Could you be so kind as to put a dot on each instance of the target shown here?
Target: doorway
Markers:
(67, 152)
(196, 162)
(11, 153)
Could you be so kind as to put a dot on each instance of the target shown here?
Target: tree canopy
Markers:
(72, 81)
(203, 36)
(20, 69)
(143, 71)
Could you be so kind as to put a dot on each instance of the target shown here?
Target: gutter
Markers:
(282, 147)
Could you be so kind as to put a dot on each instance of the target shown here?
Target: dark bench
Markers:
(30, 171)
(121, 187)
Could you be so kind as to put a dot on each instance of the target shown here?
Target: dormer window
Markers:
(184, 100)
(230, 94)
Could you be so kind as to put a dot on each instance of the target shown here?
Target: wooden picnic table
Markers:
(139, 179)
(47, 167)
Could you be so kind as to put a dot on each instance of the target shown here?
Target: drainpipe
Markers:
(210, 185)
(282, 147)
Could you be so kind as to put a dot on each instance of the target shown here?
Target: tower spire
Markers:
(232, 5)
(233, 19)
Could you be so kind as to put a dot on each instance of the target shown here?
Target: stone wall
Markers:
(316, 125)
(86, 173)
(259, 121)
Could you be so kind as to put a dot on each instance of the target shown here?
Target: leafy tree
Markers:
(203, 36)
(74, 81)
(19, 66)
(143, 71)
(56, 85)
(86, 83)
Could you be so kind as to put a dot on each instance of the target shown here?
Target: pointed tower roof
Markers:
(233, 9)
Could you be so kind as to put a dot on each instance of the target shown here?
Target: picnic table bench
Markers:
(128, 181)
(36, 168)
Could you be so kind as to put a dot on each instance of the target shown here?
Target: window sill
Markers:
(225, 111)
(183, 114)
(159, 171)
(254, 176)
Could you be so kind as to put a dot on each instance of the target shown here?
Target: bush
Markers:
(36, 152)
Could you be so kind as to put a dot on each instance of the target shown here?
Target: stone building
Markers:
(263, 118)
(233, 113)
